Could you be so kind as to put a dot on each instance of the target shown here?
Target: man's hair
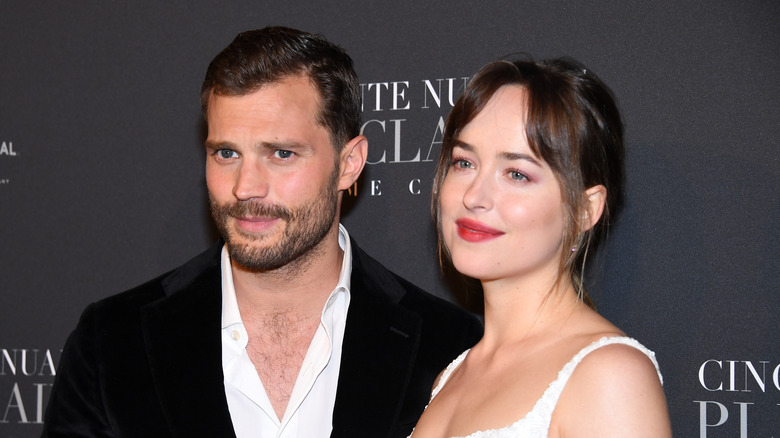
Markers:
(264, 56)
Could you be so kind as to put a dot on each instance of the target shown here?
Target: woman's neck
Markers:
(516, 311)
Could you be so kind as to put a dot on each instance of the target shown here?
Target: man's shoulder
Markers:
(137, 296)
(163, 285)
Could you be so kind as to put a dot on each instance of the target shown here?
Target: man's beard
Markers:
(305, 228)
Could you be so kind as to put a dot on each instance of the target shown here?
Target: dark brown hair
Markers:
(573, 124)
(268, 55)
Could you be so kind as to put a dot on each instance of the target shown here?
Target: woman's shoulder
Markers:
(614, 379)
(605, 350)
(617, 359)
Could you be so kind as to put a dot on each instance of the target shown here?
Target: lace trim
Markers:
(446, 374)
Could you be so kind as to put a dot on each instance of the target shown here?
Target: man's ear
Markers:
(353, 158)
(595, 200)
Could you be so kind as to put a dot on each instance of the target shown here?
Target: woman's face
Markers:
(502, 212)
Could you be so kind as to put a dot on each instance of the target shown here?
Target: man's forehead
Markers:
(297, 89)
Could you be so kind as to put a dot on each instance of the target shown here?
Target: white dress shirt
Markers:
(309, 412)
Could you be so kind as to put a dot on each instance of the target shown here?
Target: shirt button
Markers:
(235, 335)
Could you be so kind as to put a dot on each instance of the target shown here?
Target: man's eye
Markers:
(283, 154)
(226, 154)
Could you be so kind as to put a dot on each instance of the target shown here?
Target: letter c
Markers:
(701, 375)
(776, 377)
(412, 185)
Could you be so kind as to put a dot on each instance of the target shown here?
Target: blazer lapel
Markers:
(183, 339)
(380, 345)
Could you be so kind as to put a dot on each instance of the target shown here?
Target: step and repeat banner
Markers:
(102, 168)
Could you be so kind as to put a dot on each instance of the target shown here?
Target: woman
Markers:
(529, 176)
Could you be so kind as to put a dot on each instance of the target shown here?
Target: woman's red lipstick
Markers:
(473, 231)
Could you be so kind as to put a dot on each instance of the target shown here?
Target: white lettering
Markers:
(7, 149)
(397, 150)
(15, 401)
(713, 372)
(701, 375)
(397, 145)
(28, 359)
(39, 401)
(398, 98)
(375, 190)
(732, 375)
(397, 94)
(703, 425)
(439, 132)
(362, 96)
(16, 404)
(760, 380)
(24, 362)
(378, 86)
(11, 362)
(776, 377)
(412, 189)
(743, 418)
(436, 93)
(363, 130)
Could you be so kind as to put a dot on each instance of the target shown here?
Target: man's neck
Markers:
(303, 285)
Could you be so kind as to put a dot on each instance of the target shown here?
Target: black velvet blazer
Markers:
(147, 362)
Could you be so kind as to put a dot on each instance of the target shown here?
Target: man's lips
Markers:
(473, 231)
(255, 224)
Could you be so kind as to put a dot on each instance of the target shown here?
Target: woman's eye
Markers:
(462, 164)
(226, 154)
(517, 176)
(283, 154)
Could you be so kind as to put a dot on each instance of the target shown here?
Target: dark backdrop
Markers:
(102, 186)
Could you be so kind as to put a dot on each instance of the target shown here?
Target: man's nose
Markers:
(252, 181)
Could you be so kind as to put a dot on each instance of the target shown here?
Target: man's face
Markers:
(272, 174)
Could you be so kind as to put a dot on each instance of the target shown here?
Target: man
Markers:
(287, 328)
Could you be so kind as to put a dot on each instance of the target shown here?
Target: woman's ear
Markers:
(595, 200)
(352, 160)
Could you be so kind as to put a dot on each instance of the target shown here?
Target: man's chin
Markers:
(249, 245)
(252, 257)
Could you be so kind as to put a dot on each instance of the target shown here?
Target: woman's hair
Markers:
(573, 124)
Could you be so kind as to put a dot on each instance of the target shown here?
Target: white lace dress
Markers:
(536, 423)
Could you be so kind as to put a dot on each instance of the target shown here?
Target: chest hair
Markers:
(278, 342)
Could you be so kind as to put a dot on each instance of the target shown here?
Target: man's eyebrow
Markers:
(508, 156)
(218, 144)
(293, 145)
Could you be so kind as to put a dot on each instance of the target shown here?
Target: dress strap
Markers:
(447, 372)
(550, 398)
(631, 342)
